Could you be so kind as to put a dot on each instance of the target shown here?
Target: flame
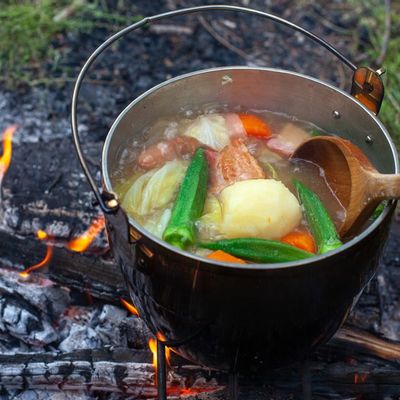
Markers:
(153, 349)
(162, 338)
(82, 242)
(360, 378)
(130, 307)
(41, 235)
(5, 158)
(78, 244)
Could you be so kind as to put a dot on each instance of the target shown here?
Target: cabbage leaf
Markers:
(210, 130)
(155, 189)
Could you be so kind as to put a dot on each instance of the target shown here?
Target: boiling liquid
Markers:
(275, 166)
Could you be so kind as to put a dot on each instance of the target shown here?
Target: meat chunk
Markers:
(234, 163)
(167, 150)
(234, 125)
(288, 139)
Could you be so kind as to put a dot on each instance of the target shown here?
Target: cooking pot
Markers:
(231, 316)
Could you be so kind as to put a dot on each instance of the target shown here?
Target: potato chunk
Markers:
(263, 208)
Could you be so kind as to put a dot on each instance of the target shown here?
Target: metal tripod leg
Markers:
(306, 380)
(161, 372)
(233, 385)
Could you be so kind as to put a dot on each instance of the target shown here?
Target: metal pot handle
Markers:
(367, 84)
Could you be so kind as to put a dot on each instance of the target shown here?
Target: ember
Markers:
(360, 378)
(5, 158)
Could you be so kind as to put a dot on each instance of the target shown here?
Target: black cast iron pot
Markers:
(232, 316)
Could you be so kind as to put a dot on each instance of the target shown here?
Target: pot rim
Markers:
(301, 263)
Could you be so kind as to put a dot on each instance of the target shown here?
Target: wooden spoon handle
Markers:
(384, 186)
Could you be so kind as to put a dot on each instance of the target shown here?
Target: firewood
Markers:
(87, 273)
(123, 370)
(118, 370)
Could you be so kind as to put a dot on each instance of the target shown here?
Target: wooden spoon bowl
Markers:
(356, 183)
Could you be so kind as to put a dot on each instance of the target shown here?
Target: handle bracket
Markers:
(367, 87)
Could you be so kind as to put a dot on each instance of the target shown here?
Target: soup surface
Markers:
(238, 191)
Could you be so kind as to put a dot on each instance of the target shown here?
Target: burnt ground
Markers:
(44, 187)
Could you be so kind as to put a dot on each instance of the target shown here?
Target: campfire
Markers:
(350, 354)
(68, 325)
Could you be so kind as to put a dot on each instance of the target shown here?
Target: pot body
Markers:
(236, 317)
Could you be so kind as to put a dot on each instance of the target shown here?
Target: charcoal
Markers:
(96, 327)
(137, 333)
(29, 308)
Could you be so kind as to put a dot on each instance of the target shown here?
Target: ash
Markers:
(37, 315)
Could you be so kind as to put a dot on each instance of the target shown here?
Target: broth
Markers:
(151, 171)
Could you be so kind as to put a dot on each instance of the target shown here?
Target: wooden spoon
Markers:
(355, 181)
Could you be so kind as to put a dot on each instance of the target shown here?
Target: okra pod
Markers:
(189, 203)
(318, 219)
(258, 250)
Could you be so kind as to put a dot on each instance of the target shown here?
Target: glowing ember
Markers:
(41, 235)
(191, 391)
(81, 243)
(5, 159)
(360, 378)
(130, 307)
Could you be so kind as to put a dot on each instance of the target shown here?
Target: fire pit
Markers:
(80, 342)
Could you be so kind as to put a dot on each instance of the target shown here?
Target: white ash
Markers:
(49, 395)
(91, 328)
(28, 310)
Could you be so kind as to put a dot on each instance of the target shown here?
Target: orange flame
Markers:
(5, 159)
(82, 242)
(162, 338)
(130, 307)
(41, 235)
(153, 349)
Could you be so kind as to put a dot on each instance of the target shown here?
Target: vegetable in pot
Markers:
(301, 240)
(189, 203)
(155, 189)
(210, 130)
(220, 255)
(261, 208)
(318, 219)
(258, 250)
(255, 126)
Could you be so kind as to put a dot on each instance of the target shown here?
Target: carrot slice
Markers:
(255, 126)
(301, 240)
(220, 255)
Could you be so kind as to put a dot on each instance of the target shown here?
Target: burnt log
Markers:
(130, 372)
(86, 273)
(119, 370)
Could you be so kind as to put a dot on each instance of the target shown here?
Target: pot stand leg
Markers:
(233, 386)
(306, 380)
(161, 372)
